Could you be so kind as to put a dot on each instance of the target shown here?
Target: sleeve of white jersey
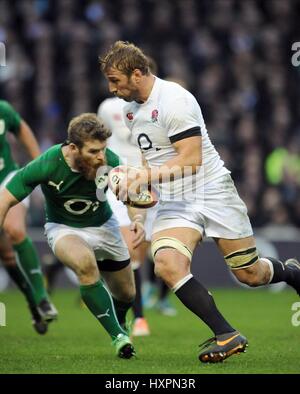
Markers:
(182, 117)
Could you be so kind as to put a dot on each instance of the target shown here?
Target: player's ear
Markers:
(74, 148)
(136, 75)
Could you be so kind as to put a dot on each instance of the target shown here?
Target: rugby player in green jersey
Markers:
(80, 226)
(16, 249)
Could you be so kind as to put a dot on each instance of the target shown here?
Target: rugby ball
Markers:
(144, 199)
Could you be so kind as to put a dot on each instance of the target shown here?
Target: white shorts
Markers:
(105, 240)
(120, 211)
(26, 201)
(222, 214)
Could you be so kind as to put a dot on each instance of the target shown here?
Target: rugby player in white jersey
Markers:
(111, 112)
(198, 197)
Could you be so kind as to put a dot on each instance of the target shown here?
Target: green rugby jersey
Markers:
(10, 120)
(70, 198)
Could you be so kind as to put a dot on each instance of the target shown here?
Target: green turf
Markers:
(77, 344)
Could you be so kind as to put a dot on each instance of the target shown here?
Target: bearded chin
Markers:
(85, 169)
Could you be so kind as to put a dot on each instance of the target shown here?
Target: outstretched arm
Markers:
(28, 140)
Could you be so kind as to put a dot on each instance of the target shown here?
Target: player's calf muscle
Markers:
(256, 275)
(121, 284)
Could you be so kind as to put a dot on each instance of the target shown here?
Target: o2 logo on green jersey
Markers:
(78, 206)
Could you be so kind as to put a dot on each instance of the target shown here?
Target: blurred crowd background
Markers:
(233, 55)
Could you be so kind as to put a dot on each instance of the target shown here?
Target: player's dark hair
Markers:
(86, 127)
(125, 57)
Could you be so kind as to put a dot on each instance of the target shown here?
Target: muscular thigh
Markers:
(187, 236)
(73, 251)
(228, 246)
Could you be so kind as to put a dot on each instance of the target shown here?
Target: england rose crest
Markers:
(129, 116)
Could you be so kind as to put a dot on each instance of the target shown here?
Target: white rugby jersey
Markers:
(111, 112)
(170, 114)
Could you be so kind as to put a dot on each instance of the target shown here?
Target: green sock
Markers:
(100, 303)
(29, 263)
(21, 281)
(121, 310)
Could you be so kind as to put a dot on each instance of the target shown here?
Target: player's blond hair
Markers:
(86, 127)
(125, 57)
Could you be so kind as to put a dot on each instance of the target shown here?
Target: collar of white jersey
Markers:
(154, 91)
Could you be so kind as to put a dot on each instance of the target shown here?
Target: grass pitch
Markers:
(76, 343)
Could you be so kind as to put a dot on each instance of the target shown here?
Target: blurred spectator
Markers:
(283, 164)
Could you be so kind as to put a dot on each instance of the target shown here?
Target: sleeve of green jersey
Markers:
(10, 116)
(30, 176)
(113, 160)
